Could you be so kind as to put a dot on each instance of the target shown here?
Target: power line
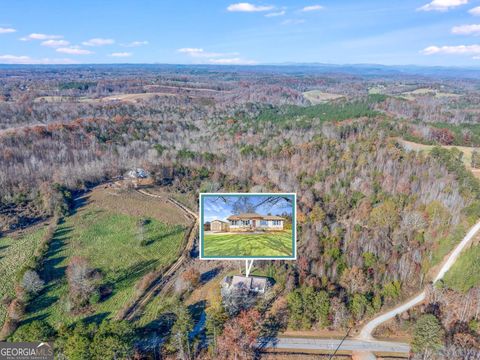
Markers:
(341, 342)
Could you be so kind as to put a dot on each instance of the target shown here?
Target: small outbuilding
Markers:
(219, 226)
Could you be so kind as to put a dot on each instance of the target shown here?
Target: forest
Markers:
(374, 218)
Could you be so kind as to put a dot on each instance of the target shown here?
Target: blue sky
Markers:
(216, 208)
(423, 32)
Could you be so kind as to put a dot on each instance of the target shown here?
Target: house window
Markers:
(276, 222)
(263, 222)
(245, 222)
(234, 222)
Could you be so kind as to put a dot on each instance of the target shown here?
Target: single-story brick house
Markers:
(254, 221)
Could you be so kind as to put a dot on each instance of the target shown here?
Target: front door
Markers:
(254, 223)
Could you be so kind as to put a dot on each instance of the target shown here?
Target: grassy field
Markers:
(14, 252)
(467, 152)
(265, 244)
(465, 273)
(318, 97)
(411, 95)
(109, 240)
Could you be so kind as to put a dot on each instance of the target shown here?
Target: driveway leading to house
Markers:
(248, 244)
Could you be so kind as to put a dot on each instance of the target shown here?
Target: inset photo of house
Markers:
(247, 226)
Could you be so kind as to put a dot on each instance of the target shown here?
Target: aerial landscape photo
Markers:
(271, 180)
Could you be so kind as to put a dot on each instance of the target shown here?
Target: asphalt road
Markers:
(331, 344)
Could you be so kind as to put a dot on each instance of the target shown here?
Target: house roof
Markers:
(273, 217)
(219, 221)
(247, 216)
(253, 283)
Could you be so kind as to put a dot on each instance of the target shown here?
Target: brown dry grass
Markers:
(130, 202)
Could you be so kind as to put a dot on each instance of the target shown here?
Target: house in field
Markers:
(138, 178)
(255, 284)
(218, 226)
(255, 222)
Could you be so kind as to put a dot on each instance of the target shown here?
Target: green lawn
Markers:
(239, 244)
(109, 241)
(14, 252)
(465, 273)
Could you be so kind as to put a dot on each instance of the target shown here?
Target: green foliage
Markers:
(179, 338)
(358, 306)
(391, 290)
(65, 200)
(216, 318)
(77, 85)
(428, 334)
(465, 273)
(160, 148)
(308, 307)
(112, 340)
(38, 330)
(185, 154)
(109, 340)
(369, 259)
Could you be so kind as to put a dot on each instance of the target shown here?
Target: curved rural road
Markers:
(364, 345)
(367, 330)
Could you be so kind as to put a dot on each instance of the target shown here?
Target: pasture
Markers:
(115, 245)
(14, 252)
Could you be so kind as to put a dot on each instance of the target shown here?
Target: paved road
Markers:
(332, 344)
(367, 330)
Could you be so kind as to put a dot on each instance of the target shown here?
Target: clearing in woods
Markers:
(319, 97)
(467, 152)
(123, 235)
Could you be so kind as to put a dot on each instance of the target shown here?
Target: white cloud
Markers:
(36, 36)
(278, 13)
(247, 7)
(200, 53)
(55, 43)
(98, 42)
(74, 50)
(473, 29)
(23, 59)
(135, 44)
(475, 11)
(293, 21)
(458, 49)
(7, 30)
(312, 8)
(231, 61)
(442, 5)
(121, 54)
